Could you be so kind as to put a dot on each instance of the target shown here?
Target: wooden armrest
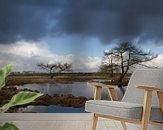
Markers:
(148, 101)
(94, 84)
(98, 89)
(148, 98)
(147, 88)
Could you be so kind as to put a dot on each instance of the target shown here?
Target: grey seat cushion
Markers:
(125, 110)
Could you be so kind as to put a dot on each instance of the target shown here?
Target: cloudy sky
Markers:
(77, 31)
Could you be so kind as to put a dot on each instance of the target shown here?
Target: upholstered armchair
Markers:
(142, 103)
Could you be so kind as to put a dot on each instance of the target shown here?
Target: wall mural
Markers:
(57, 46)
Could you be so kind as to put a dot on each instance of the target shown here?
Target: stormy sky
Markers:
(103, 19)
(63, 28)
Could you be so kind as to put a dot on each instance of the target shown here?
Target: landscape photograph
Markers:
(55, 54)
(62, 46)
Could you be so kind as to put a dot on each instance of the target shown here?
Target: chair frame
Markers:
(145, 121)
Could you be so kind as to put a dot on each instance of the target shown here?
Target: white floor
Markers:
(57, 121)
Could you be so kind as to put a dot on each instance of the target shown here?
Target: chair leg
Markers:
(146, 110)
(94, 122)
(124, 125)
(144, 126)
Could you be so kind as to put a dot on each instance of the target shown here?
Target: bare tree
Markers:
(56, 68)
(124, 56)
(110, 68)
(66, 67)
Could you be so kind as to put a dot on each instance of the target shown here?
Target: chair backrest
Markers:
(143, 77)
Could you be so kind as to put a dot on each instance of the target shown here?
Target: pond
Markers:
(75, 89)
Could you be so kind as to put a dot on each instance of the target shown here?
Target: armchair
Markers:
(142, 103)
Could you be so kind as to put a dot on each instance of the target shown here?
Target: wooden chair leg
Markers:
(94, 122)
(160, 98)
(97, 94)
(124, 125)
(146, 110)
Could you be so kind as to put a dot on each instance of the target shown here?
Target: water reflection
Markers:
(76, 89)
(51, 109)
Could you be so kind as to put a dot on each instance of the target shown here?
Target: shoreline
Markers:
(45, 100)
(56, 99)
(22, 79)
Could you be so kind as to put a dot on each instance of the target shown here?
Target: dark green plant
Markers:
(20, 98)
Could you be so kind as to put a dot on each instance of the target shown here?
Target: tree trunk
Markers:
(120, 81)
(122, 90)
(51, 75)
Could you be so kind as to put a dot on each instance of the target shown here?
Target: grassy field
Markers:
(20, 79)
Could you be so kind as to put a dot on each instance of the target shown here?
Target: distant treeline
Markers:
(66, 74)
(39, 78)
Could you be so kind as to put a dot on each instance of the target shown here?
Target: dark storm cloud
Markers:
(24, 19)
(114, 19)
(105, 19)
